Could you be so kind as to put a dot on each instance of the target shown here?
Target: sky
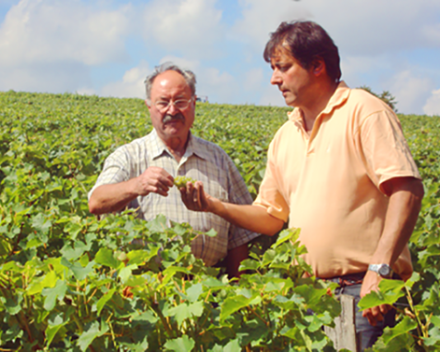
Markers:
(108, 47)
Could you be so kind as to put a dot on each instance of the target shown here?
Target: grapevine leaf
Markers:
(286, 235)
(232, 346)
(105, 257)
(142, 256)
(125, 273)
(402, 328)
(193, 293)
(13, 306)
(53, 328)
(88, 336)
(53, 293)
(77, 269)
(233, 304)
(184, 311)
(49, 280)
(180, 344)
(103, 300)
(211, 233)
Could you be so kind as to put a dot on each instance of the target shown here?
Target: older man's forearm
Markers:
(111, 197)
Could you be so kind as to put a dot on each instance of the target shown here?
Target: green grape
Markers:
(180, 181)
(122, 256)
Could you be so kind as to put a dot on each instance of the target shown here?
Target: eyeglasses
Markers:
(163, 105)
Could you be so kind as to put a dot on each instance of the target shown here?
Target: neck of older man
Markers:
(177, 146)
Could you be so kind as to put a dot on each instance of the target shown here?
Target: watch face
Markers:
(384, 270)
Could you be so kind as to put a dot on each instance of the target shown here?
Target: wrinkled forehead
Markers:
(170, 83)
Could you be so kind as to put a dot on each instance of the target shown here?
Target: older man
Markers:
(339, 169)
(140, 175)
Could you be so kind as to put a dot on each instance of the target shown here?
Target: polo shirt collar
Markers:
(157, 147)
(338, 98)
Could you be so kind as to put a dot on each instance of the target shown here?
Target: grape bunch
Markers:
(180, 181)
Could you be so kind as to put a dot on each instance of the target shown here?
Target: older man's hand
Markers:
(154, 179)
(195, 198)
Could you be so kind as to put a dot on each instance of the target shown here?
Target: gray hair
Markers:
(188, 75)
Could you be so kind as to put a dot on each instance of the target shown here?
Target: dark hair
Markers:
(306, 41)
(189, 76)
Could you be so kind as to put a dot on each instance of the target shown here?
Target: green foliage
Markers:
(385, 96)
(69, 282)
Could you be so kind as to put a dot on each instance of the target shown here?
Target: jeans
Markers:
(366, 334)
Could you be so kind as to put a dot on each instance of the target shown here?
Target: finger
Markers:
(186, 197)
(189, 192)
(201, 198)
(162, 190)
(367, 314)
(385, 308)
(182, 191)
(195, 197)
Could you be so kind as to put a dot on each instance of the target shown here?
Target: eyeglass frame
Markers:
(173, 102)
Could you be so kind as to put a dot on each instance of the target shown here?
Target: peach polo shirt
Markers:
(328, 184)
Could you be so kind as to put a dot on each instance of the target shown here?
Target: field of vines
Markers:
(71, 282)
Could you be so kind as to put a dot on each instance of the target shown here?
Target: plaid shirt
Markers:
(203, 161)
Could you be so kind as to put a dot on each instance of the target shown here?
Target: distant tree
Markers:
(385, 96)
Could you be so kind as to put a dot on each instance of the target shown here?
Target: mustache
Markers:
(169, 118)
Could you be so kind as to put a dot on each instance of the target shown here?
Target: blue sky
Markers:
(107, 47)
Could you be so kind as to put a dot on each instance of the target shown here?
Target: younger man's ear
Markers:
(318, 66)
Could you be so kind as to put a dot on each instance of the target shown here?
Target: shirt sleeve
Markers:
(238, 194)
(385, 150)
(116, 169)
(269, 195)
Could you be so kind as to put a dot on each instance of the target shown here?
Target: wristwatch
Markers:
(384, 270)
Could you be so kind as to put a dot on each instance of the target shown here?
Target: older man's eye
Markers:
(181, 104)
(162, 104)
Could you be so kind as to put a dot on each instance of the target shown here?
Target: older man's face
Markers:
(171, 121)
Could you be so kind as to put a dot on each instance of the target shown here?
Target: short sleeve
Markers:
(385, 149)
(116, 169)
(269, 195)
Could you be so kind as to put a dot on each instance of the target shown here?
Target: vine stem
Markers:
(420, 328)
(258, 315)
(26, 326)
(78, 324)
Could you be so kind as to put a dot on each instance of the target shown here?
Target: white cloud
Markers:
(45, 31)
(254, 79)
(411, 91)
(354, 67)
(432, 33)
(59, 46)
(45, 77)
(219, 86)
(261, 17)
(358, 28)
(189, 27)
(86, 91)
(272, 96)
(187, 64)
(432, 106)
(132, 84)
